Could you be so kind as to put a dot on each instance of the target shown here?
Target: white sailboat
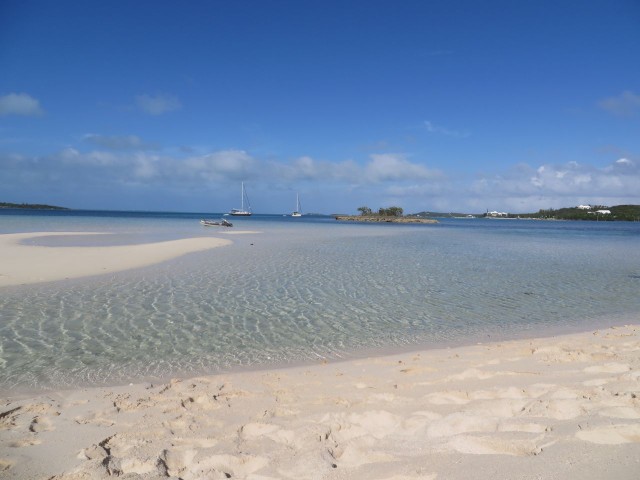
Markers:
(241, 212)
(297, 212)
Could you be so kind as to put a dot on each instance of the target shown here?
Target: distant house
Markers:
(584, 207)
(604, 212)
(497, 214)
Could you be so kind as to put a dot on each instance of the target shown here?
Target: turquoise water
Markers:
(306, 289)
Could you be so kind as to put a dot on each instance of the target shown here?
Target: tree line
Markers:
(618, 212)
(382, 212)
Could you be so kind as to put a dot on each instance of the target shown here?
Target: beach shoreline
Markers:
(559, 407)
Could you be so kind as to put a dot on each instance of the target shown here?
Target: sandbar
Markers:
(26, 264)
(547, 408)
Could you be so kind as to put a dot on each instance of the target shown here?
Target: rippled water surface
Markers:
(307, 289)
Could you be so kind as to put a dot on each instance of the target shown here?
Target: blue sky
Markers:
(426, 105)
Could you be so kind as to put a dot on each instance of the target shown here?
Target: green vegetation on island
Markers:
(382, 212)
(30, 206)
(600, 213)
(629, 213)
(388, 215)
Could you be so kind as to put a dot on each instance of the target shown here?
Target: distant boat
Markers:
(241, 212)
(297, 212)
(216, 223)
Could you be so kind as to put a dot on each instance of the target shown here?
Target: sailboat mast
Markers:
(242, 196)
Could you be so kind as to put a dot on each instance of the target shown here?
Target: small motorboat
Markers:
(216, 223)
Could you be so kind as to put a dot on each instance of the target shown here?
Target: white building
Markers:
(604, 212)
(497, 214)
(584, 207)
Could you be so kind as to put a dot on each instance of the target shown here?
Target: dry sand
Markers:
(23, 264)
(555, 408)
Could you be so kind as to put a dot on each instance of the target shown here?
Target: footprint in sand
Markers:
(620, 412)
(448, 398)
(5, 464)
(194, 442)
(612, 434)
(26, 442)
(251, 431)
(39, 408)
(94, 419)
(457, 423)
(376, 424)
(230, 466)
(596, 382)
(418, 370)
(178, 460)
(494, 445)
(123, 403)
(8, 418)
(357, 453)
(563, 409)
(608, 368)
(41, 424)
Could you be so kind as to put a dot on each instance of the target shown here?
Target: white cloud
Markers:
(626, 104)
(121, 166)
(225, 164)
(117, 142)
(381, 168)
(624, 161)
(395, 167)
(159, 104)
(20, 104)
(145, 167)
(306, 168)
(436, 129)
(528, 189)
(70, 157)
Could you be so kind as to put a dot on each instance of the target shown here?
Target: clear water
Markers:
(305, 289)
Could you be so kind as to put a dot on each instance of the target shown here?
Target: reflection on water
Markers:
(299, 292)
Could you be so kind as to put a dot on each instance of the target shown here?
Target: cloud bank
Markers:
(380, 180)
(565, 185)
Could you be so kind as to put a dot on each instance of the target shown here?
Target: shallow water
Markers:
(305, 289)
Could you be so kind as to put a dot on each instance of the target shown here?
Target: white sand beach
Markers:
(25, 264)
(551, 408)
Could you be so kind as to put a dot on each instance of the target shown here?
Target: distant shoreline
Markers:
(30, 206)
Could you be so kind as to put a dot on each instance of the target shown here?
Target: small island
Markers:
(386, 215)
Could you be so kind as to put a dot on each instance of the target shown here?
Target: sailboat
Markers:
(241, 212)
(297, 212)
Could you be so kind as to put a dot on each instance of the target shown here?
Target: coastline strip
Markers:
(27, 264)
